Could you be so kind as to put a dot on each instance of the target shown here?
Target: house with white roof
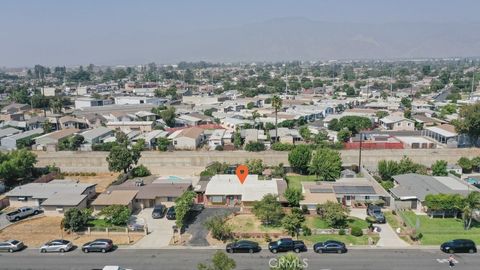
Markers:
(226, 190)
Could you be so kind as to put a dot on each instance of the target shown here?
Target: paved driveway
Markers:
(198, 230)
(388, 237)
(160, 230)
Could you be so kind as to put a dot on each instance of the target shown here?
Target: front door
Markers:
(348, 200)
(231, 200)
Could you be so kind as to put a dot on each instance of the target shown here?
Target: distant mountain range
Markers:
(303, 39)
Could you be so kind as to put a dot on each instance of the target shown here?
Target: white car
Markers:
(57, 246)
(114, 267)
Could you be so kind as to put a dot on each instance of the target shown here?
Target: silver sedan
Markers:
(57, 246)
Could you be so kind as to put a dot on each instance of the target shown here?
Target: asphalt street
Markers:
(188, 259)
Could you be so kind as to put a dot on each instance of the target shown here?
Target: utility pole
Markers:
(360, 152)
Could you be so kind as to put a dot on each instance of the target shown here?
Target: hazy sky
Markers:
(55, 32)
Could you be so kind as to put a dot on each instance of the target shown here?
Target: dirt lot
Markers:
(248, 223)
(37, 231)
(103, 180)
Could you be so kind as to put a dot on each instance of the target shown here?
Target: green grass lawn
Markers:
(318, 223)
(294, 180)
(99, 223)
(438, 230)
(347, 239)
(392, 220)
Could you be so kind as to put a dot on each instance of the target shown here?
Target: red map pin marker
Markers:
(242, 173)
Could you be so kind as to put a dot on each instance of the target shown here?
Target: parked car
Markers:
(375, 211)
(98, 245)
(458, 246)
(11, 246)
(159, 211)
(243, 246)
(287, 244)
(58, 245)
(330, 246)
(171, 213)
(22, 212)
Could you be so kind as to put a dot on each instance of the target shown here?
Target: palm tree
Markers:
(277, 105)
(255, 116)
(471, 203)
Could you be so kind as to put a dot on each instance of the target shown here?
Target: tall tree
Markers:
(277, 105)
(439, 168)
(293, 196)
(183, 205)
(299, 158)
(268, 210)
(326, 164)
(469, 121)
(471, 204)
(293, 222)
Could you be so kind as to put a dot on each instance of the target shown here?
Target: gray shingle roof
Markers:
(419, 186)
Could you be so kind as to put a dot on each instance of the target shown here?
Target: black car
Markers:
(243, 246)
(171, 213)
(458, 246)
(287, 244)
(330, 246)
(98, 245)
(159, 211)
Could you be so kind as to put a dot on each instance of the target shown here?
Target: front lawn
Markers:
(438, 230)
(318, 223)
(295, 180)
(347, 239)
(249, 223)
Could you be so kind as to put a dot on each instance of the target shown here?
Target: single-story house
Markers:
(187, 139)
(10, 142)
(285, 135)
(53, 138)
(346, 191)
(97, 135)
(115, 197)
(226, 190)
(59, 195)
(9, 131)
(410, 189)
(152, 191)
(393, 122)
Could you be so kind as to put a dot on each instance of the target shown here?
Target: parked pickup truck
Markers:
(287, 244)
(22, 212)
(376, 212)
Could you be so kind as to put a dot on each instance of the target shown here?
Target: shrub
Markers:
(267, 238)
(306, 230)
(341, 232)
(140, 171)
(219, 228)
(416, 236)
(305, 209)
(370, 220)
(282, 146)
(255, 146)
(219, 148)
(356, 231)
(116, 214)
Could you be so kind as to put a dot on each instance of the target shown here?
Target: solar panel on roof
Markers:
(354, 189)
(320, 190)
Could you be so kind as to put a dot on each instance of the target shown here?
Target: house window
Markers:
(367, 197)
(216, 199)
(23, 199)
(175, 142)
(170, 199)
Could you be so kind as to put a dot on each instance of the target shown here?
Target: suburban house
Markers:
(347, 191)
(139, 100)
(285, 135)
(220, 137)
(126, 126)
(188, 138)
(115, 197)
(410, 189)
(10, 142)
(226, 190)
(151, 137)
(91, 102)
(393, 122)
(15, 108)
(9, 131)
(54, 197)
(97, 135)
(71, 122)
(52, 139)
(152, 191)
(254, 135)
(194, 119)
